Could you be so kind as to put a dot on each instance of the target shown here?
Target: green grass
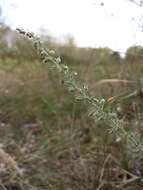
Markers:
(67, 147)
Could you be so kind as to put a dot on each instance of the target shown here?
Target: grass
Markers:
(49, 135)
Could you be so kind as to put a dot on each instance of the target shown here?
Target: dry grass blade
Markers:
(124, 177)
(114, 81)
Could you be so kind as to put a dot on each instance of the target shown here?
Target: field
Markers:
(47, 139)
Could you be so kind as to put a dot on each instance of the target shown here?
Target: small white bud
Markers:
(52, 52)
(58, 60)
(65, 67)
(102, 101)
(119, 109)
(85, 87)
(118, 139)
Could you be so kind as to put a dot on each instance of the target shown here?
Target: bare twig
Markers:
(139, 3)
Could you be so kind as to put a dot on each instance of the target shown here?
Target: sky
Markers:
(92, 24)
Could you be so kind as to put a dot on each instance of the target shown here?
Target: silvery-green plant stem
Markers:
(99, 109)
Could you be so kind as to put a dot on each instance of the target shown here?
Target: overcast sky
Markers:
(113, 25)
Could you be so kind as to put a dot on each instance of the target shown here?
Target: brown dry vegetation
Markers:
(48, 141)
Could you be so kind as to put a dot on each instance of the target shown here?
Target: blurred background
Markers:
(103, 42)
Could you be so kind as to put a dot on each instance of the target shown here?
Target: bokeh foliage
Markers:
(42, 124)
